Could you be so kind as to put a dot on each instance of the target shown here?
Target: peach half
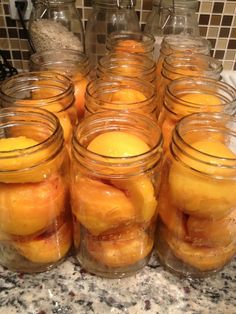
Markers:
(127, 247)
(201, 258)
(80, 89)
(206, 101)
(27, 208)
(200, 189)
(126, 96)
(99, 206)
(49, 248)
(129, 45)
(208, 232)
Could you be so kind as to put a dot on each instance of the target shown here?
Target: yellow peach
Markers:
(30, 207)
(142, 195)
(128, 246)
(207, 101)
(80, 89)
(49, 248)
(202, 258)
(129, 45)
(99, 206)
(198, 187)
(209, 232)
(126, 96)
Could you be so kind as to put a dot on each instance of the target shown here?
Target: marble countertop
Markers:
(68, 289)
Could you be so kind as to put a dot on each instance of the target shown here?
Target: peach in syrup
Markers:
(128, 95)
(27, 208)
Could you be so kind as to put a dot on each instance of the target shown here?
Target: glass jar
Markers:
(35, 225)
(132, 42)
(196, 233)
(49, 90)
(188, 95)
(121, 94)
(69, 62)
(108, 16)
(56, 24)
(128, 65)
(179, 65)
(172, 17)
(182, 43)
(114, 198)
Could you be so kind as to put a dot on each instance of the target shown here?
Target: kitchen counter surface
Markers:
(68, 289)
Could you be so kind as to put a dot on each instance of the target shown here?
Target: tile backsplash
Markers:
(217, 22)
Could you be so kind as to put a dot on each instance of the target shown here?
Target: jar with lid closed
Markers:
(108, 16)
(189, 95)
(49, 90)
(35, 225)
(56, 24)
(115, 171)
(128, 65)
(71, 63)
(121, 94)
(196, 234)
(131, 42)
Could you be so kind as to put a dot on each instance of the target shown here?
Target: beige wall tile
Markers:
(221, 43)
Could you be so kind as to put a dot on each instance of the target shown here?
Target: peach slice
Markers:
(80, 89)
(48, 249)
(126, 96)
(208, 101)
(213, 232)
(202, 258)
(142, 195)
(127, 247)
(199, 194)
(167, 129)
(30, 207)
(99, 206)
(118, 144)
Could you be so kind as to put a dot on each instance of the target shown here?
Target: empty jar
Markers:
(35, 224)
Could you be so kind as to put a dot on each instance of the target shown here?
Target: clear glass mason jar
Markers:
(121, 94)
(56, 24)
(35, 224)
(69, 62)
(196, 234)
(114, 199)
(49, 90)
(188, 95)
(108, 16)
(128, 65)
(132, 42)
(179, 65)
(172, 17)
(182, 43)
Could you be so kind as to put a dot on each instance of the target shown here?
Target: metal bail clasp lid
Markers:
(171, 10)
(121, 4)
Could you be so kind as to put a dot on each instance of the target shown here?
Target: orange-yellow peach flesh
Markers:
(127, 247)
(201, 258)
(80, 88)
(48, 249)
(199, 194)
(30, 207)
(129, 45)
(208, 101)
(99, 206)
(126, 96)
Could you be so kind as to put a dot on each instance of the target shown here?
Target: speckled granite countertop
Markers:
(67, 289)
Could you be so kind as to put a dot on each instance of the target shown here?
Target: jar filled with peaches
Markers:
(196, 233)
(121, 94)
(35, 220)
(49, 90)
(127, 64)
(72, 63)
(141, 43)
(115, 177)
(187, 64)
(188, 95)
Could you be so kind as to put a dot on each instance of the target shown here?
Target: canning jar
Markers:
(132, 42)
(179, 65)
(181, 43)
(121, 94)
(49, 90)
(188, 95)
(127, 64)
(35, 224)
(56, 24)
(115, 171)
(196, 233)
(108, 16)
(71, 63)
